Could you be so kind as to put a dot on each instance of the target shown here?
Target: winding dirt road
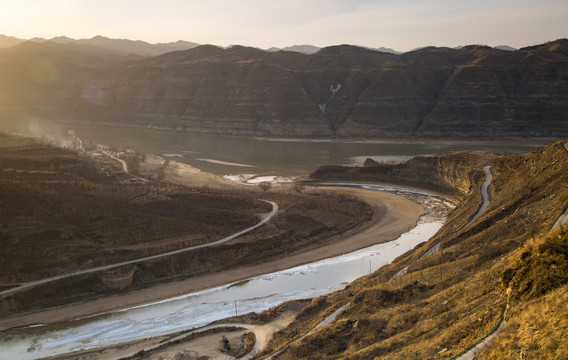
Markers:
(562, 219)
(139, 260)
(484, 194)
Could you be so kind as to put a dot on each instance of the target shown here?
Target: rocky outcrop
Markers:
(454, 174)
(338, 92)
(116, 279)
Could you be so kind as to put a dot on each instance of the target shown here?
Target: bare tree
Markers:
(265, 185)
(298, 187)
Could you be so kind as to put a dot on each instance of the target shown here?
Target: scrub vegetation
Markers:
(509, 258)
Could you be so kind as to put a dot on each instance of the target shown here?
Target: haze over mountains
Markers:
(138, 47)
(335, 92)
(119, 46)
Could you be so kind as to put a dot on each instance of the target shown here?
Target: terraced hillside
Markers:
(338, 92)
(61, 211)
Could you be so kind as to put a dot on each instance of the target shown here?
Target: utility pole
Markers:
(441, 264)
(236, 313)
(369, 266)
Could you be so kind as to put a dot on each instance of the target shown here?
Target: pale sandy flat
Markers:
(188, 175)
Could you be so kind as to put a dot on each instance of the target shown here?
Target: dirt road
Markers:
(147, 258)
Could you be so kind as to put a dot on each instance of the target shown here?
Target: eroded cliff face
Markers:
(338, 92)
(453, 174)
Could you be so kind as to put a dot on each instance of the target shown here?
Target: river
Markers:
(201, 308)
(223, 155)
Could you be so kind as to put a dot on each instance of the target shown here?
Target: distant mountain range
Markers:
(337, 92)
(310, 49)
(138, 47)
(118, 46)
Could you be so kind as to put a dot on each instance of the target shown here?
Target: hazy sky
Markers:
(398, 24)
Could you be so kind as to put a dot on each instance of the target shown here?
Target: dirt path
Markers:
(202, 342)
(209, 345)
(562, 219)
(122, 162)
(476, 348)
(147, 258)
(484, 194)
(329, 320)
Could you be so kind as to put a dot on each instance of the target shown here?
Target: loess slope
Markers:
(449, 300)
(338, 92)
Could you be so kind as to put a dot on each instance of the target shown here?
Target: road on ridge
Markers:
(562, 219)
(153, 257)
(484, 194)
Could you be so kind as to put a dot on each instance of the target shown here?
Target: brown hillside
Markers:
(338, 92)
(449, 300)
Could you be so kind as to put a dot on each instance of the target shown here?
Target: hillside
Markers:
(66, 210)
(451, 174)
(337, 92)
(446, 300)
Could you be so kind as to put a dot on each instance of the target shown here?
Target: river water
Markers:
(225, 156)
(222, 155)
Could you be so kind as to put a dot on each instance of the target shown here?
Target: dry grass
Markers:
(448, 301)
(537, 322)
(61, 211)
(537, 330)
(249, 340)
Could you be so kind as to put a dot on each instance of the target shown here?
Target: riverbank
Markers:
(392, 215)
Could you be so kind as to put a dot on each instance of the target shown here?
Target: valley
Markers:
(202, 186)
(346, 180)
(527, 193)
(76, 184)
(448, 299)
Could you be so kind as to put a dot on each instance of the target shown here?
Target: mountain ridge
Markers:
(338, 92)
(119, 46)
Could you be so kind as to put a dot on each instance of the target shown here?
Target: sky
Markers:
(399, 24)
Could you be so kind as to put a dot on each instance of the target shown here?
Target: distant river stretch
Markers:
(222, 155)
